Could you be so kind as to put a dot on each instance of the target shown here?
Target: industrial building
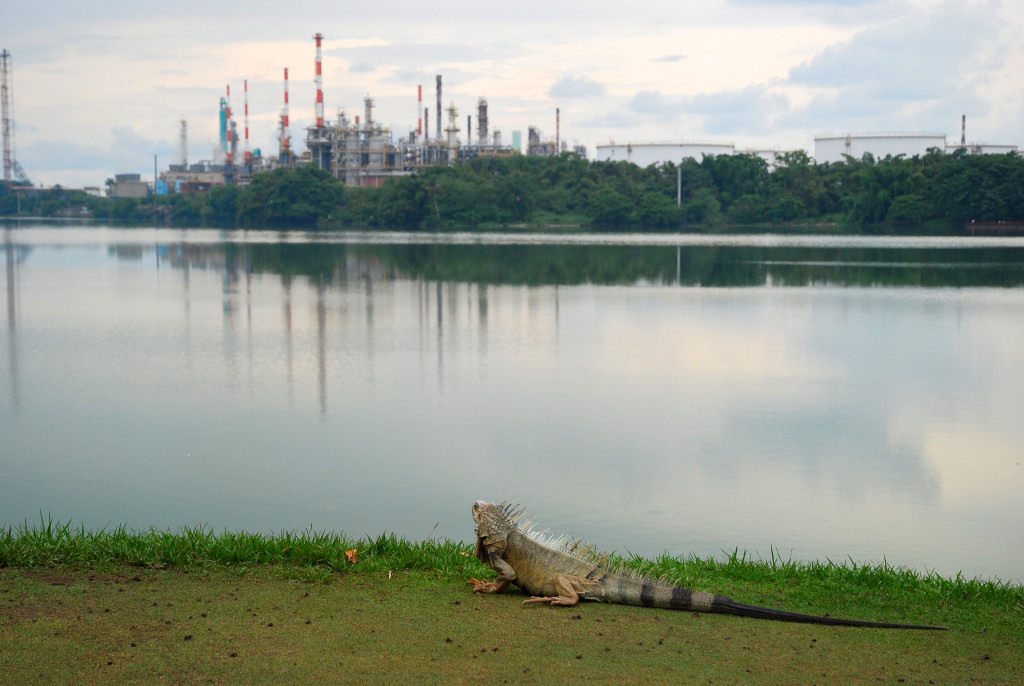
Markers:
(361, 152)
(192, 178)
(356, 149)
(835, 147)
(830, 148)
(982, 148)
(364, 153)
(128, 186)
(646, 154)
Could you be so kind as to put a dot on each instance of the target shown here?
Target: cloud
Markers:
(361, 68)
(669, 58)
(577, 87)
(452, 78)
(904, 59)
(748, 110)
(61, 160)
(430, 55)
(654, 104)
(914, 73)
(801, 3)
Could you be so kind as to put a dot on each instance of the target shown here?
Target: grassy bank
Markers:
(198, 605)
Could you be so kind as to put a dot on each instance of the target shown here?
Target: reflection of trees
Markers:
(717, 266)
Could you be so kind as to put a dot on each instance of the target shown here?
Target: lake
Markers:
(805, 397)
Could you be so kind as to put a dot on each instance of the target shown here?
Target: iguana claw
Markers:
(483, 586)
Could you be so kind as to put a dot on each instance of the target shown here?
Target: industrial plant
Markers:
(834, 148)
(827, 148)
(361, 152)
(357, 149)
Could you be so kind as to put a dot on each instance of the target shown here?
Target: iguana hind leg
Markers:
(570, 590)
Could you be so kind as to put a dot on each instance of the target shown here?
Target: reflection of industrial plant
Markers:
(13, 257)
(312, 307)
(348, 287)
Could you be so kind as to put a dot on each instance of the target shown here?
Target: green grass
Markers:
(309, 555)
(196, 605)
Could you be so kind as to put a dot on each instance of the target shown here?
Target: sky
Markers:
(100, 88)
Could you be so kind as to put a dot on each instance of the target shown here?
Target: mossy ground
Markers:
(146, 625)
(404, 613)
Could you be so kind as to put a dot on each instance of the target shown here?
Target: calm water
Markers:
(822, 397)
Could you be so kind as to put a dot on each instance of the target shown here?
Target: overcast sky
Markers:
(100, 87)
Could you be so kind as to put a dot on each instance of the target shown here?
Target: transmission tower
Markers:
(12, 170)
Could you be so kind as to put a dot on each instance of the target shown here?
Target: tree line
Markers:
(932, 192)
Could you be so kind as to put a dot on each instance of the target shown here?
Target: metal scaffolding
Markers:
(12, 170)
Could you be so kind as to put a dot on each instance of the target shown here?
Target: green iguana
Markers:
(558, 572)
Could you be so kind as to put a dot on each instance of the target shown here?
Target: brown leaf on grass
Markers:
(352, 555)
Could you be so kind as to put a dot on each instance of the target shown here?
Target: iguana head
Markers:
(492, 524)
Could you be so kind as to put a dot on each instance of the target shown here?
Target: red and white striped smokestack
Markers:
(245, 90)
(558, 128)
(319, 84)
(419, 110)
(227, 105)
(287, 129)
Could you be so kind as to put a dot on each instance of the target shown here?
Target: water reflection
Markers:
(12, 257)
(695, 265)
(275, 385)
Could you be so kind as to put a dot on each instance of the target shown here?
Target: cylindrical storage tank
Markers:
(833, 148)
(646, 154)
(982, 148)
(769, 155)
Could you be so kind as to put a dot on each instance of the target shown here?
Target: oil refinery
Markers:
(361, 152)
(353, 147)
(357, 149)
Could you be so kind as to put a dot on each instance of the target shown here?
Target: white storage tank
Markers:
(982, 148)
(832, 148)
(769, 155)
(646, 154)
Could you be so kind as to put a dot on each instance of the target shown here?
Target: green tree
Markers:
(657, 211)
(402, 202)
(736, 176)
(305, 197)
(610, 208)
(703, 207)
(222, 208)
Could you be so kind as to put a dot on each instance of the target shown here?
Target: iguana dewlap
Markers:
(558, 572)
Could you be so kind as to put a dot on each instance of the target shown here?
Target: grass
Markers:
(195, 605)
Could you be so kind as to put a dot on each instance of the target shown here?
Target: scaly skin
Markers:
(557, 576)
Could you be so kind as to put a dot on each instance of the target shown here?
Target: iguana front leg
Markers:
(570, 590)
(488, 586)
(506, 575)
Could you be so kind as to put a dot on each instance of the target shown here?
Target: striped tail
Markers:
(730, 606)
(653, 594)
